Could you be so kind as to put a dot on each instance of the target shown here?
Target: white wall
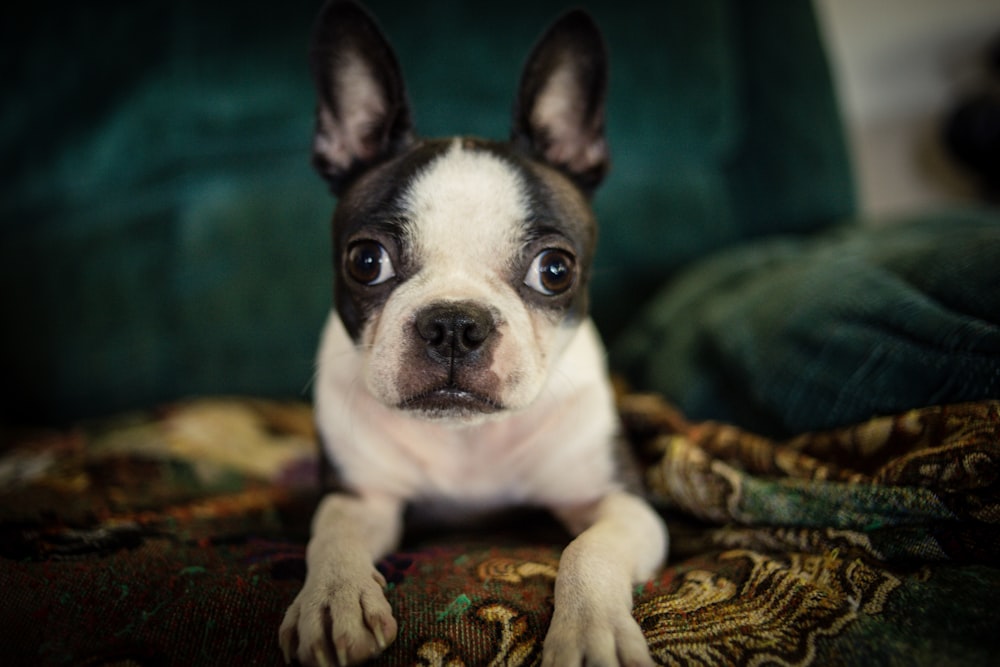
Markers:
(900, 65)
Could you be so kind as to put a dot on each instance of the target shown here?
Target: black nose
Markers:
(455, 330)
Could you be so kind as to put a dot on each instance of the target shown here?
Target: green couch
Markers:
(163, 237)
(164, 234)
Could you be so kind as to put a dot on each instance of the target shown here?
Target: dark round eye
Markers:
(368, 263)
(551, 272)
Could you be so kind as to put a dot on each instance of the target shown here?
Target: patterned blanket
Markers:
(177, 538)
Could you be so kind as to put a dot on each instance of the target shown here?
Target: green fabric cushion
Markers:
(733, 139)
(788, 335)
(163, 234)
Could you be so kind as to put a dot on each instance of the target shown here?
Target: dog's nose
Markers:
(454, 330)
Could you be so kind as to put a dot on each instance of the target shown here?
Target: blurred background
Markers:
(162, 234)
(902, 68)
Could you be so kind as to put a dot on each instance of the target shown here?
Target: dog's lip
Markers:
(449, 400)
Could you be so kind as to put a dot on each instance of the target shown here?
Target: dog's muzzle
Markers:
(451, 358)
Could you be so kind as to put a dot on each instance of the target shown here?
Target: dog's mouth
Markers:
(451, 402)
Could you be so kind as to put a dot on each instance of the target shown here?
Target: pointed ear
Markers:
(559, 113)
(362, 114)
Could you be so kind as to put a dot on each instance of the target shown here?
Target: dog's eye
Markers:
(551, 272)
(369, 264)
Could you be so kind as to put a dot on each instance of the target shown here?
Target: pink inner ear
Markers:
(578, 152)
(572, 140)
(354, 130)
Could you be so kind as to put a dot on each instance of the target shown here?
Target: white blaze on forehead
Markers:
(467, 212)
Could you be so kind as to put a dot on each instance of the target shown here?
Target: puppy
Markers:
(460, 369)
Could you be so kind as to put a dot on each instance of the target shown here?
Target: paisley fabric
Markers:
(177, 537)
(873, 544)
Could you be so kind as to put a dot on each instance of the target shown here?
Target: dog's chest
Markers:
(511, 461)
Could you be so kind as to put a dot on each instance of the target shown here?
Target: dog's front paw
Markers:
(589, 637)
(343, 622)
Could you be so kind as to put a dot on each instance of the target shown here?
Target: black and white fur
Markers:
(460, 369)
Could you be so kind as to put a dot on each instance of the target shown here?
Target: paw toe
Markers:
(343, 624)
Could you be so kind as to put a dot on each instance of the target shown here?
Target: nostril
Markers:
(471, 330)
(474, 333)
(432, 330)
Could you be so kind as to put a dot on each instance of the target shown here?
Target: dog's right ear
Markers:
(362, 114)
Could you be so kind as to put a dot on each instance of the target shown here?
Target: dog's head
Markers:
(461, 264)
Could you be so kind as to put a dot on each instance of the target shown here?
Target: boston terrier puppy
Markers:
(460, 369)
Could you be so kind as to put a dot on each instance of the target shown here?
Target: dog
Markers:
(459, 369)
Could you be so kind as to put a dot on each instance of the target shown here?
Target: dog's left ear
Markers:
(559, 112)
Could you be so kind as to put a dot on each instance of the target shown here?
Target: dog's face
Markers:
(461, 264)
(461, 273)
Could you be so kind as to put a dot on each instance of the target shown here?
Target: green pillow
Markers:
(791, 335)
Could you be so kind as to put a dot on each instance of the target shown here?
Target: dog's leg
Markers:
(341, 616)
(620, 541)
